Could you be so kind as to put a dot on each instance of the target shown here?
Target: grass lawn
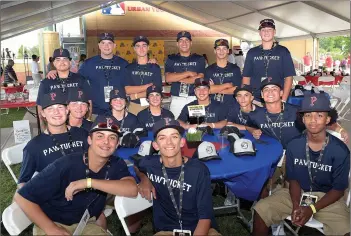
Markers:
(6, 120)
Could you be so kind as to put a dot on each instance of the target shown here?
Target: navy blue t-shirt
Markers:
(137, 75)
(230, 74)
(93, 70)
(331, 173)
(197, 194)
(286, 128)
(237, 116)
(147, 120)
(128, 124)
(73, 82)
(177, 63)
(215, 112)
(47, 189)
(42, 150)
(86, 124)
(280, 66)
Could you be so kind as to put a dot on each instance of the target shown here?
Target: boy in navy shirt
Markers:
(181, 187)
(78, 106)
(140, 75)
(155, 112)
(223, 76)
(268, 60)
(64, 81)
(75, 187)
(56, 141)
(181, 70)
(317, 166)
(215, 112)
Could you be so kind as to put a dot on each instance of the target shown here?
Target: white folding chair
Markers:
(128, 206)
(13, 155)
(336, 134)
(14, 219)
(298, 79)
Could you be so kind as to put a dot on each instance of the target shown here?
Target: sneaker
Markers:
(275, 229)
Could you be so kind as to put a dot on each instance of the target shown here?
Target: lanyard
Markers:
(278, 120)
(186, 60)
(122, 121)
(63, 81)
(207, 111)
(266, 61)
(58, 145)
(181, 182)
(318, 160)
(152, 116)
(107, 75)
(221, 78)
(141, 74)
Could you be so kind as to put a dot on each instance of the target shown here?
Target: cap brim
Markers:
(184, 37)
(216, 157)
(241, 89)
(61, 103)
(136, 157)
(180, 129)
(141, 40)
(315, 110)
(105, 129)
(271, 83)
(266, 25)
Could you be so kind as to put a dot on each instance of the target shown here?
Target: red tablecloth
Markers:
(6, 104)
(314, 80)
(13, 89)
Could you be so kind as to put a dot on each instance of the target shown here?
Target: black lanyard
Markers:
(58, 145)
(141, 73)
(107, 75)
(266, 61)
(152, 116)
(181, 183)
(122, 121)
(221, 78)
(278, 120)
(63, 82)
(318, 160)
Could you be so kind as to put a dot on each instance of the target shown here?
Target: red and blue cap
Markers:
(53, 98)
(315, 102)
(166, 123)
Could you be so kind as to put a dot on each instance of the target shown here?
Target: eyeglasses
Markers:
(105, 126)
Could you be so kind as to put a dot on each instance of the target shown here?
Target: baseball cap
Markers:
(206, 151)
(75, 95)
(141, 132)
(230, 129)
(138, 39)
(145, 149)
(221, 42)
(129, 140)
(297, 93)
(53, 98)
(270, 81)
(153, 89)
(246, 87)
(167, 123)
(105, 123)
(182, 34)
(267, 23)
(243, 147)
(201, 82)
(205, 129)
(60, 52)
(106, 36)
(315, 102)
(116, 93)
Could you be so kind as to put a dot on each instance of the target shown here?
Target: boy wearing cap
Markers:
(140, 75)
(78, 106)
(181, 187)
(64, 81)
(223, 76)
(56, 141)
(215, 112)
(317, 166)
(268, 60)
(181, 70)
(155, 112)
(75, 187)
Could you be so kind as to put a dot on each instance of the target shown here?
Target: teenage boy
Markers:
(317, 168)
(140, 75)
(78, 106)
(74, 188)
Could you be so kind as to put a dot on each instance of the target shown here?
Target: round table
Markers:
(244, 176)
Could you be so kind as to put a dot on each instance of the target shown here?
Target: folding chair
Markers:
(128, 206)
(14, 219)
(336, 134)
(298, 79)
(13, 155)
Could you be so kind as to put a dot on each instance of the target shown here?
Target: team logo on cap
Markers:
(80, 93)
(116, 92)
(109, 122)
(106, 35)
(269, 79)
(183, 33)
(52, 95)
(61, 51)
(244, 145)
(313, 100)
(141, 37)
(167, 120)
(209, 149)
(153, 87)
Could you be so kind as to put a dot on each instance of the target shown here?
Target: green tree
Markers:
(338, 46)
(30, 51)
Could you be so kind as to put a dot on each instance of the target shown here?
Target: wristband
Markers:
(313, 209)
(213, 125)
(88, 182)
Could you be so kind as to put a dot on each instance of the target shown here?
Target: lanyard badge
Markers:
(266, 61)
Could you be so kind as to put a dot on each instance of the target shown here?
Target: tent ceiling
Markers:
(294, 19)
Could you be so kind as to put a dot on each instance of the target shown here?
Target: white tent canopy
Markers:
(240, 19)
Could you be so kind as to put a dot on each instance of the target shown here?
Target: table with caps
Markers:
(314, 80)
(245, 176)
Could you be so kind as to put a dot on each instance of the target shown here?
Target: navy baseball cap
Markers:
(105, 123)
(106, 36)
(246, 87)
(221, 42)
(116, 93)
(167, 123)
(60, 52)
(315, 102)
(140, 39)
(153, 89)
(270, 81)
(75, 95)
(53, 98)
(185, 34)
(267, 23)
(201, 82)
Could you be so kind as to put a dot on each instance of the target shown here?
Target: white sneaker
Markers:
(275, 229)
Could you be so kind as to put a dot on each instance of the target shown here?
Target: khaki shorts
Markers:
(211, 232)
(135, 108)
(278, 206)
(90, 229)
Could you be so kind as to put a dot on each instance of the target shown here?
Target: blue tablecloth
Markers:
(244, 176)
